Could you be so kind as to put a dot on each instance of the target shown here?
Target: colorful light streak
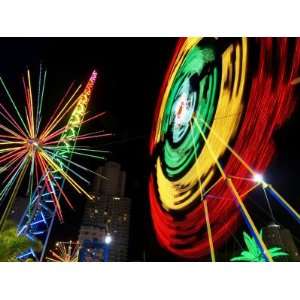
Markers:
(215, 120)
(44, 154)
(65, 252)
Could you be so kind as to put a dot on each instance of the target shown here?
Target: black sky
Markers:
(130, 74)
(131, 71)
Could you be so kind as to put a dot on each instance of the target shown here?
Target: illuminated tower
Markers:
(109, 215)
(38, 218)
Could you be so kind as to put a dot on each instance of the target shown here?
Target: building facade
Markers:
(106, 220)
(277, 236)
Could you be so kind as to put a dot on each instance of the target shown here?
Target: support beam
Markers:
(210, 240)
(250, 222)
(283, 203)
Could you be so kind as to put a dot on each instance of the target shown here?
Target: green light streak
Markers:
(81, 167)
(38, 98)
(31, 178)
(179, 157)
(41, 101)
(67, 144)
(14, 105)
(66, 167)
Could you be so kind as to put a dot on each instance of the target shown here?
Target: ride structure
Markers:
(212, 138)
(46, 155)
(40, 214)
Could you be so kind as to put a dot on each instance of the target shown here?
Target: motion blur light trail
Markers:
(65, 252)
(220, 103)
(46, 155)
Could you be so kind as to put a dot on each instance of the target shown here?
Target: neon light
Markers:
(254, 254)
(65, 252)
(46, 153)
(210, 96)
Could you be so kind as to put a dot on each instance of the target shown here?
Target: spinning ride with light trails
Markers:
(65, 252)
(46, 155)
(212, 137)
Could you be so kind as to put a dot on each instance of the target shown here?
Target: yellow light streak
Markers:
(246, 214)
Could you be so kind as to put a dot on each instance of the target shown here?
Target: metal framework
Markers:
(38, 219)
(268, 190)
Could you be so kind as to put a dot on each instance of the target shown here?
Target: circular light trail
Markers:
(220, 103)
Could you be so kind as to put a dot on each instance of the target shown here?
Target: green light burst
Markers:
(193, 93)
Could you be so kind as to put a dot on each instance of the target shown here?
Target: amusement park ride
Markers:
(47, 157)
(212, 139)
(65, 252)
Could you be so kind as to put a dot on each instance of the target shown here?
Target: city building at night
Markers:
(277, 236)
(106, 220)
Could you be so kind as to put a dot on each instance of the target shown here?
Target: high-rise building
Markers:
(277, 236)
(106, 219)
(112, 181)
(93, 243)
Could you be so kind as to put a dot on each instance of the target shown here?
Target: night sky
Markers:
(131, 72)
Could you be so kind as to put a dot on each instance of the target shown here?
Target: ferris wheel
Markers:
(212, 139)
